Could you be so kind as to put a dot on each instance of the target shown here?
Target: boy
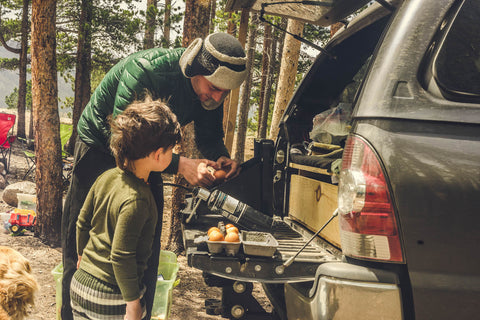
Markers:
(116, 225)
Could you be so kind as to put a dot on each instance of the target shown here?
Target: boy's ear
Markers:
(158, 153)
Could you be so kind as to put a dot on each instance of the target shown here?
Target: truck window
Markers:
(456, 66)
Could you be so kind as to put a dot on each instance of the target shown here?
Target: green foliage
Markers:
(176, 26)
(12, 99)
(115, 27)
(67, 103)
(9, 64)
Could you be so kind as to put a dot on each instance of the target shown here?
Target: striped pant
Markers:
(94, 299)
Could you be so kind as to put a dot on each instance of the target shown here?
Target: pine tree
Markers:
(47, 122)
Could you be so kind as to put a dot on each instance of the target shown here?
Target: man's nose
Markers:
(217, 96)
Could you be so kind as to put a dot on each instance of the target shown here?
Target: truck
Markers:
(20, 220)
(370, 188)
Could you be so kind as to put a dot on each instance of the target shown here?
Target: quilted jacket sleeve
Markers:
(133, 83)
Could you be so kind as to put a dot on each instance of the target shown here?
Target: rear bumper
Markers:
(346, 291)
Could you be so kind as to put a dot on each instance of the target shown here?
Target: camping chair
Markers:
(67, 161)
(30, 157)
(7, 122)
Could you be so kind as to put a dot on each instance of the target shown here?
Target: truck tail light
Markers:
(368, 227)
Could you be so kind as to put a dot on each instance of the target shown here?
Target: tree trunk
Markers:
(150, 24)
(281, 42)
(245, 94)
(83, 69)
(234, 94)
(288, 72)
(213, 12)
(22, 69)
(267, 46)
(166, 24)
(197, 15)
(268, 91)
(30, 128)
(231, 29)
(48, 171)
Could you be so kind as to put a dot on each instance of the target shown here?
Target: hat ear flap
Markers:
(186, 60)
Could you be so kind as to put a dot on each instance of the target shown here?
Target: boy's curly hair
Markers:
(17, 285)
(144, 127)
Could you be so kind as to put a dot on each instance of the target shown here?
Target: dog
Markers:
(17, 285)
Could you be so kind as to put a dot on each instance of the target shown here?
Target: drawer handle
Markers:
(318, 192)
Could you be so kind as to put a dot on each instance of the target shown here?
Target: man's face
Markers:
(210, 96)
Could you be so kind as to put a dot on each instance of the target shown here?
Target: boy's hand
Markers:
(134, 310)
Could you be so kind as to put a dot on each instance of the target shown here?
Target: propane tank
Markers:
(238, 212)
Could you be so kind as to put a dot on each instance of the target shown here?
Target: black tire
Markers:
(15, 229)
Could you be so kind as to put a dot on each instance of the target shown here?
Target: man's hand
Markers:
(78, 261)
(224, 162)
(134, 310)
(195, 171)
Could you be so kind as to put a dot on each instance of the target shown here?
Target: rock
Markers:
(10, 192)
(3, 172)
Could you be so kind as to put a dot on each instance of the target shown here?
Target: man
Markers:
(194, 82)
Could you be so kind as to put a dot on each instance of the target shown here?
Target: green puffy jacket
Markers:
(158, 71)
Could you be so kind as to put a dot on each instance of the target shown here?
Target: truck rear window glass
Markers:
(457, 65)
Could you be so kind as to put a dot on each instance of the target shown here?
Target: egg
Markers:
(212, 229)
(232, 229)
(216, 236)
(232, 237)
(219, 175)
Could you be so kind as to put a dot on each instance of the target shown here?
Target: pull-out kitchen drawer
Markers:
(312, 202)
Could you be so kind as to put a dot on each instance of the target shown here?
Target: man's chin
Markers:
(211, 104)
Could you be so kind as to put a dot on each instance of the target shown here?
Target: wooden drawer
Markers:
(312, 203)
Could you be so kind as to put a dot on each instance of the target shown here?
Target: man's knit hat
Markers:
(220, 58)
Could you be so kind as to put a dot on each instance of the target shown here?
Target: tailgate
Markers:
(289, 235)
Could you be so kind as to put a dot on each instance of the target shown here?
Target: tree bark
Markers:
(268, 91)
(150, 24)
(47, 122)
(83, 69)
(231, 29)
(245, 93)
(281, 42)
(234, 94)
(22, 69)
(197, 14)
(266, 58)
(213, 12)
(288, 71)
(166, 24)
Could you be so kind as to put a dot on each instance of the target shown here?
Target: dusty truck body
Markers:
(405, 75)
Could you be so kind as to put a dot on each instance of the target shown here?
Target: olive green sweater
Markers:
(115, 230)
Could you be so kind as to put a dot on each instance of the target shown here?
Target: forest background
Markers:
(71, 44)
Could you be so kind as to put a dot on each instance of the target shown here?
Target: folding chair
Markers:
(7, 122)
(67, 159)
(30, 157)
